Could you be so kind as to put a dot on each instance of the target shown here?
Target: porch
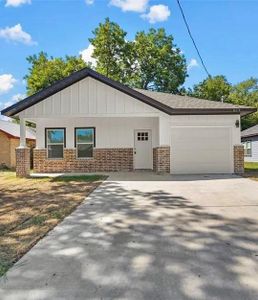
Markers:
(95, 144)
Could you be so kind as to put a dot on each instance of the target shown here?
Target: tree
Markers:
(44, 71)
(246, 93)
(110, 50)
(158, 64)
(215, 88)
(151, 61)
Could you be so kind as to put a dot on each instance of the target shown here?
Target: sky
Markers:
(225, 32)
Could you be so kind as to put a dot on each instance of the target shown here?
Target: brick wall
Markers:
(239, 159)
(8, 149)
(106, 160)
(161, 159)
(22, 162)
(4, 150)
(14, 143)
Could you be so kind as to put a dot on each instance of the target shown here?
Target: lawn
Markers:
(251, 170)
(30, 207)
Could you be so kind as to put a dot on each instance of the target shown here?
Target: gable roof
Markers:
(164, 102)
(13, 130)
(251, 131)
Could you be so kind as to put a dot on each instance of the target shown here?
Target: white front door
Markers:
(142, 149)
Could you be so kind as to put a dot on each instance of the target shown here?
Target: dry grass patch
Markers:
(30, 207)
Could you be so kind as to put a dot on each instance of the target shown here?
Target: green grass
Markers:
(251, 166)
(79, 178)
(37, 220)
(4, 266)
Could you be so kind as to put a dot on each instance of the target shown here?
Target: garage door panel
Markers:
(201, 150)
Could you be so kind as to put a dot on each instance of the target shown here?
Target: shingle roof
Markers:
(167, 103)
(252, 131)
(186, 102)
(13, 130)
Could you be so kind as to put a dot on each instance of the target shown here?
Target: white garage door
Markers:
(200, 150)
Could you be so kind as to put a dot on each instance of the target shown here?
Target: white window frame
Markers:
(53, 144)
(246, 148)
(88, 143)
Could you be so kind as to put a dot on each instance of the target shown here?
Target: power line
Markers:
(191, 36)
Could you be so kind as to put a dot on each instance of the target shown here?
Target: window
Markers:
(55, 142)
(142, 136)
(248, 148)
(84, 142)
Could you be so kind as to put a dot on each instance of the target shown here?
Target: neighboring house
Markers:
(10, 140)
(90, 123)
(249, 138)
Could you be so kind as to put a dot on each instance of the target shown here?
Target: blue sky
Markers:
(225, 31)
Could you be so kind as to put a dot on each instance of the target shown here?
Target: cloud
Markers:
(16, 34)
(192, 64)
(15, 98)
(16, 3)
(7, 82)
(131, 5)
(89, 2)
(18, 97)
(157, 13)
(87, 55)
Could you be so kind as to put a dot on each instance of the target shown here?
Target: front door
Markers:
(143, 149)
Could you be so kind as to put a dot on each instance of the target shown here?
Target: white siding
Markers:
(89, 97)
(254, 145)
(166, 123)
(110, 132)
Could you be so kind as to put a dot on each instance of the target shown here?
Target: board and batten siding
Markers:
(89, 97)
(254, 145)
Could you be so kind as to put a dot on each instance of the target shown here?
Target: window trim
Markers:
(46, 143)
(75, 142)
(245, 152)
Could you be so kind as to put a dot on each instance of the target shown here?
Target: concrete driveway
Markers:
(143, 236)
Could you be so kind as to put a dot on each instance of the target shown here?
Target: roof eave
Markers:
(249, 135)
(213, 111)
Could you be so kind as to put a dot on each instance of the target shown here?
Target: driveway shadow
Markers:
(125, 243)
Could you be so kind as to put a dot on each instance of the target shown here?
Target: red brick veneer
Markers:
(22, 162)
(239, 159)
(161, 159)
(104, 159)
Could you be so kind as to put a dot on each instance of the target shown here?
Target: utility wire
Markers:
(191, 36)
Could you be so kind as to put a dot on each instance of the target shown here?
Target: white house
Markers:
(249, 139)
(89, 123)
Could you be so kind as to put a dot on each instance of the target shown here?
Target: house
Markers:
(249, 138)
(90, 123)
(10, 140)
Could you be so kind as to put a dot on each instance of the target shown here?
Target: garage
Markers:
(200, 150)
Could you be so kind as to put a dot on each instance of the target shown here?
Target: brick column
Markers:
(22, 162)
(239, 159)
(161, 159)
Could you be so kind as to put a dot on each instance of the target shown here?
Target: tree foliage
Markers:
(44, 70)
(150, 61)
(215, 88)
(158, 63)
(110, 50)
(244, 93)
